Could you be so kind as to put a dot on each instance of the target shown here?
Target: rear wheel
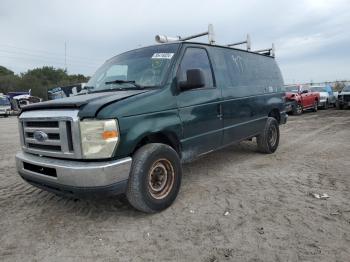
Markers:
(155, 178)
(268, 140)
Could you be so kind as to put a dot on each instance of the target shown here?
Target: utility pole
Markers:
(65, 56)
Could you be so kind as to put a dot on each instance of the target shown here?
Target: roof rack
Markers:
(211, 39)
(267, 51)
(210, 33)
(247, 42)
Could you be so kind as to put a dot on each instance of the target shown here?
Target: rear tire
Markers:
(155, 178)
(268, 140)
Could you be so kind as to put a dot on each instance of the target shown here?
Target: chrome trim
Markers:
(47, 130)
(46, 142)
(76, 173)
(62, 116)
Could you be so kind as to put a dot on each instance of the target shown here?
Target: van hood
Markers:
(88, 104)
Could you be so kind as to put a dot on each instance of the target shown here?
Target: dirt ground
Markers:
(235, 205)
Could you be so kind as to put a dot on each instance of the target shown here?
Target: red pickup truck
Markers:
(300, 98)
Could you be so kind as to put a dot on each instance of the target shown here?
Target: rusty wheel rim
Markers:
(161, 178)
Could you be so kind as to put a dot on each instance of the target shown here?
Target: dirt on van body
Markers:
(235, 205)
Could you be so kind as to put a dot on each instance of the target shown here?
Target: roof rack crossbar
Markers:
(210, 33)
(247, 41)
(267, 51)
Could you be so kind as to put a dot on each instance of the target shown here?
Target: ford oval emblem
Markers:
(40, 136)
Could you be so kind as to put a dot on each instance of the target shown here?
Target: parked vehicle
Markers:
(344, 98)
(327, 97)
(147, 111)
(300, 98)
(64, 91)
(5, 106)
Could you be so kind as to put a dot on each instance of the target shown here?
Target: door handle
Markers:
(219, 111)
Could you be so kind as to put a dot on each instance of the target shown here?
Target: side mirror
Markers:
(305, 91)
(195, 79)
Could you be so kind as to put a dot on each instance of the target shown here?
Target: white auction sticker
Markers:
(162, 55)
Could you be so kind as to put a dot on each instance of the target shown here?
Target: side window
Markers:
(196, 58)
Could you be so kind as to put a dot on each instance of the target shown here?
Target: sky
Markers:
(311, 37)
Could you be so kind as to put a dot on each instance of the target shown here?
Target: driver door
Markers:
(200, 108)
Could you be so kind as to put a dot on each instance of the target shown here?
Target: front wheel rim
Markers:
(299, 109)
(161, 178)
(272, 137)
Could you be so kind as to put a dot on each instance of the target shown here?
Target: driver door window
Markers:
(196, 58)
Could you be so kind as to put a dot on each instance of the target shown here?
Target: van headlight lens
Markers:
(99, 138)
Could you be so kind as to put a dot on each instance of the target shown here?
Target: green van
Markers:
(143, 114)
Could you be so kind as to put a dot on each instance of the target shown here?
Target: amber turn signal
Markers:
(109, 134)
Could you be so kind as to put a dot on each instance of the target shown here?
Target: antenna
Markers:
(210, 33)
(247, 41)
(65, 56)
(267, 51)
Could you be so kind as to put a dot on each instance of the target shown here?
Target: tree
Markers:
(39, 80)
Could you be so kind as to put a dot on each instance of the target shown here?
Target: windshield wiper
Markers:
(118, 81)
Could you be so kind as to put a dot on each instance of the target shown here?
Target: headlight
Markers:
(99, 138)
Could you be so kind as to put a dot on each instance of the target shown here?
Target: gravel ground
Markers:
(235, 205)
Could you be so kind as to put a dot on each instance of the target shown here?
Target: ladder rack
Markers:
(210, 33)
(211, 40)
(247, 42)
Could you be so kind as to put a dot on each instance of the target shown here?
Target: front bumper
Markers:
(74, 177)
(289, 106)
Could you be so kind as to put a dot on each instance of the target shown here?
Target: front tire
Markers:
(268, 140)
(155, 178)
(297, 109)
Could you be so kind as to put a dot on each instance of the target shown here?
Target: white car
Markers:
(344, 98)
(5, 106)
(327, 97)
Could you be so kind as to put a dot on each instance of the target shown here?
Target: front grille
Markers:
(53, 124)
(45, 147)
(50, 133)
(346, 98)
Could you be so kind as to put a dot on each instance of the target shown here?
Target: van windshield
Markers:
(136, 69)
(346, 89)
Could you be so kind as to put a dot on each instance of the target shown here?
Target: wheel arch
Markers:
(275, 113)
(165, 137)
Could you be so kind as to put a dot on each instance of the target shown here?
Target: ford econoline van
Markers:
(144, 113)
